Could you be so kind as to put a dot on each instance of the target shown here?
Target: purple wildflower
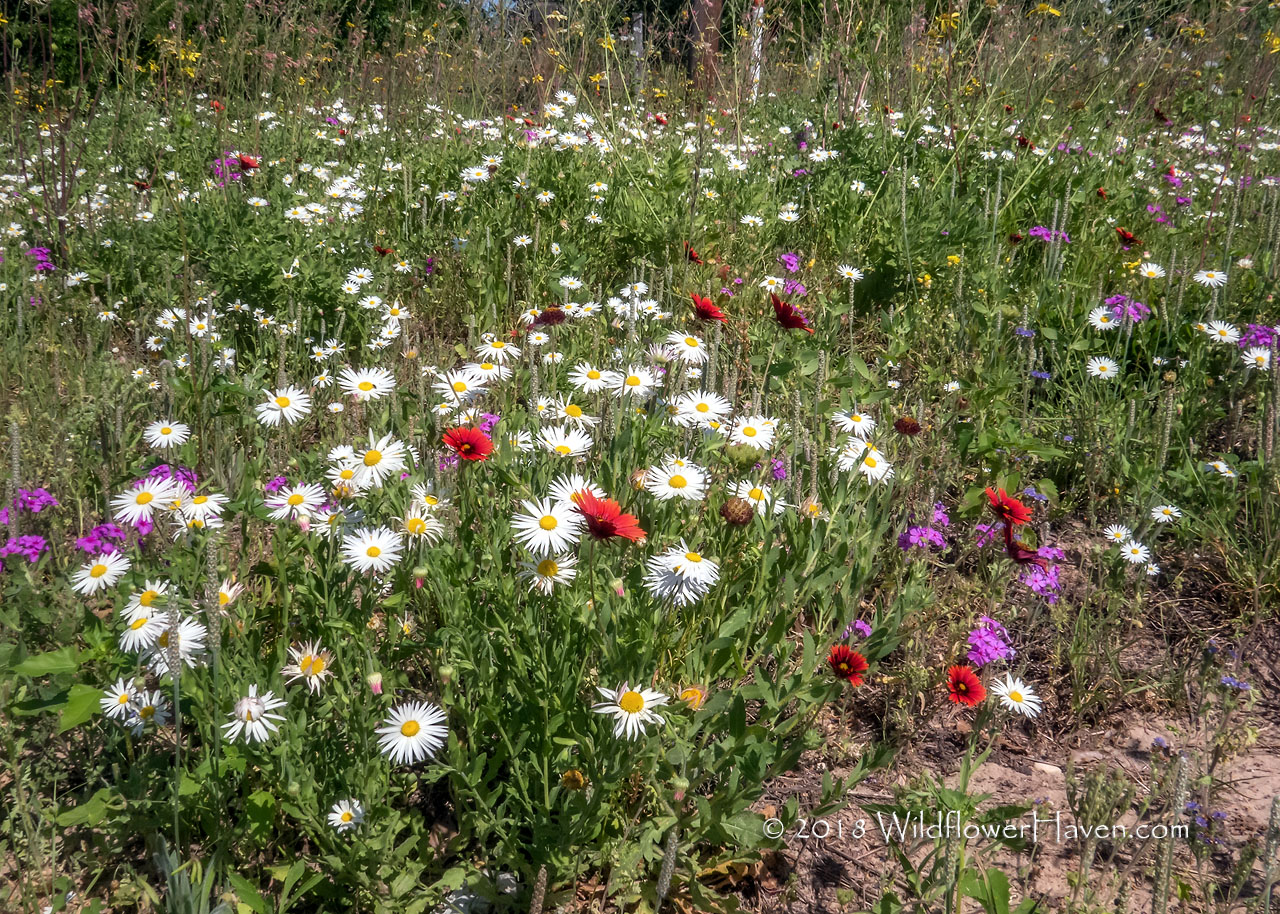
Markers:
(987, 643)
(275, 485)
(29, 547)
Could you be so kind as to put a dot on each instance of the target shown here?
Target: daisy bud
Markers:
(637, 480)
(680, 785)
(375, 683)
(445, 673)
(421, 571)
(304, 524)
(617, 586)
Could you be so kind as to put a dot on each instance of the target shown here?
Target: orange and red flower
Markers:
(468, 443)
(704, 309)
(964, 687)
(789, 316)
(605, 518)
(847, 664)
(693, 255)
(1008, 508)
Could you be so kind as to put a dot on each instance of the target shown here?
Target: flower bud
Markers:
(737, 512)
(445, 674)
(375, 683)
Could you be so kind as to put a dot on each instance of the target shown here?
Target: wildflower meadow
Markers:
(583, 456)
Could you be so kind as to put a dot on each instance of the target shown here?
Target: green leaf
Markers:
(738, 717)
(261, 813)
(63, 660)
(247, 894)
(81, 705)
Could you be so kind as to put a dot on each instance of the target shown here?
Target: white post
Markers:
(637, 46)
(757, 47)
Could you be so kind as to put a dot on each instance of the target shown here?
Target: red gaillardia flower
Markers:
(468, 443)
(248, 161)
(605, 519)
(789, 316)
(964, 687)
(691, 253)
(1008, 508)
(848, 664)
(704, 309)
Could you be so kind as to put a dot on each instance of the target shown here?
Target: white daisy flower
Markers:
(253, 717)
(631, 709)
(413, 732)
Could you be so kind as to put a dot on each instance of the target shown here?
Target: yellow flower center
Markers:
(691, 342)
(373, 552)
(199, 499)
(123, 699)
(459, 387)
(633, 380)
(749, 431)
(756, 494)
(548, 568)
(144, 498)
(692, 557)
(366, 386)
(593, 375)
(631, 702)
(410, 728)
(347, 473)
(138, 623)
(677, 482)
(166, 431)
(563, 449)
(1015, 696)
(148, 597)
(223, 598)
(548, 522)
(147, 713)
(295, 499)
(573, 411)
(703, 408)
(282, 402)
(1102, 369)
(371, 458)
(97, 570)
(416, 525)
(346, 816)
(871, 463)
(487, 366)
(497, 344)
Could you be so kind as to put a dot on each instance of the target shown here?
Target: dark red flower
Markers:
(789, 316)
(217, 105)
(468, 443)
(248, 161)
(964, 687)
(1015, 238)
(383, 252)
(905, 425)
(142, 185)
(691, 253)
(848, 664)
(1102, 193)
(605, 519)
(1008, 508)
(704, 309)
(660, 119)
(1128, 239)
(549, 317)
(1019, 552)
